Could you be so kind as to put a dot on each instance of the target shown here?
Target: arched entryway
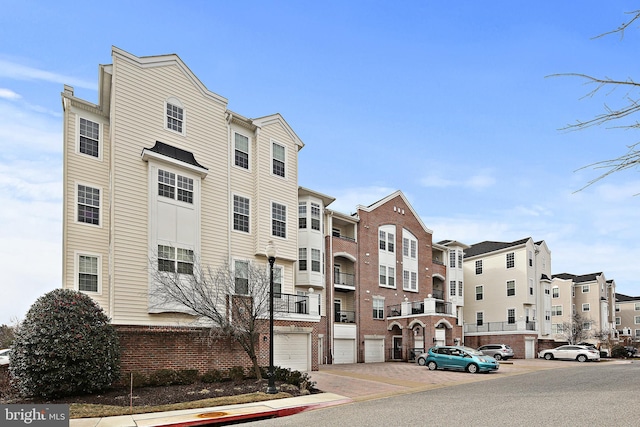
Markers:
(443, 333)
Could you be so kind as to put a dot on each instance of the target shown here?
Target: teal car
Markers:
(458, 357)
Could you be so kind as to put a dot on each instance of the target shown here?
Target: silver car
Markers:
(581, 353)
(4, 356)
(497, 351)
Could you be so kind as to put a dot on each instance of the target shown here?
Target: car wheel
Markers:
(432, 366)
(422, 361)
(497, 357)
(548, 356)
(472, 368)
(581, 358)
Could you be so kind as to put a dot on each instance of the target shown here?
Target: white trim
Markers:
(271, 158)
(233, 230)
(148, 155)
(177, 103)
(81, 114)
(75, 203)
(286, 224)
(76, 271)
(233, 151)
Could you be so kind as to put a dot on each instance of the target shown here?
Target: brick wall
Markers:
(516, 342)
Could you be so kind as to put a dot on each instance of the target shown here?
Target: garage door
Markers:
(373, 350)
(292, 351)
(344, 351)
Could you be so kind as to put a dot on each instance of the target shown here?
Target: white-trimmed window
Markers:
(89, 142)
(460, 288)
(586, 307)
(302, 215)
(240, 213)
(278, 153)
(511, 288)
(175, 117)
(637, 331)
(174, 186)
(386, 241)
(278, 220)
(452, 259)
(555, 292)
(88, 208)
(459, 259)
(241, 151)
(479, 318)
(302, 259)
(511, 260)
(586, 326)
(479, 293)
(241, 275)
(530, 259)
(315, 260)
(556, 310)
(277, 282)
(172, 259)
(530, 286)
(585, 289)
(88, 273)
(556, 328)
(511, 316)
(315, 216)
(405, 246)
(387, 276)
(452, 288)
(637, 306)
(479, 266)
(636, 320)
(378, 308)
(618, 321)
(382, 276)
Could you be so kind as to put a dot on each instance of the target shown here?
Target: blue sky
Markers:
(446, 101)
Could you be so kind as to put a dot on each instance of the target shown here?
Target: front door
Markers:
(397, 348)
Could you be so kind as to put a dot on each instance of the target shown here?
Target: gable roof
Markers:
(489, 246)
(391, 196)
(591, 277)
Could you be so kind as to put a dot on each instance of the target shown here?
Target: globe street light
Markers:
(271, 256)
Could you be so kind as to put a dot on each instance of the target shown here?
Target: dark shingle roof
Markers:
(623, 297)
(591, 277)
(487, 246)
(175, 153)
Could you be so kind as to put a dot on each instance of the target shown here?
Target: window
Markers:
(530, 286)
(278, 159)
(586, 326)
(452, 288)
(617, 307)
(88, 273)
(459, 259)
(386, 241)
(277, 282)
(383, 275)
(405, 279)
(460, 289)
(387, 276)
(302, 259)
(378, 308)
(637, 333)
(511, 316)
(479, 266)
(479, 318)
(511, 260)
(390, 242)
(167, 187)
(315, 216)
(88, 205)
(547, 315)
(175, 117)
(585, 307)
(382, 238)
(637, 306)
(409, 248)
(511, 288)
(618, 321)
(556, 328)
(479, 293)
(414, 249)
(302, 215)
(174, 260)
(278, 220)
(546, 289)
(530, 259)
(241, 145)
(585, 289)
(242, 277)
(556, 292)
(573, 292)
(89, 138)
(315, 260)
(405, 247)
(391, 276)
(414, 281)
(556, 310)
(335, 232)
(636, 320)
(452, 259)
(240, 213)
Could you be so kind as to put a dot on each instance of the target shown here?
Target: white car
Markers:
(4, 356)
(581, 353)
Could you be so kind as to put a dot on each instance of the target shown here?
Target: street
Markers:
(601, 393)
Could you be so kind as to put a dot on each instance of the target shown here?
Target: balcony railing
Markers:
(289, 303)
(500, 327)
(394, 310)
(344, 279)
(345, 316)
(426, 306)
(438, 294)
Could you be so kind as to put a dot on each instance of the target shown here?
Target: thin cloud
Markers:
(8, 94)
(16, 71)
(476, 182)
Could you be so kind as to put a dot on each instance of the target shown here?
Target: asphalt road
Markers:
(580, 394)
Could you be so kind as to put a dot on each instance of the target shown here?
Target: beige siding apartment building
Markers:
(627, 319)
(507, 297)
(160, 172)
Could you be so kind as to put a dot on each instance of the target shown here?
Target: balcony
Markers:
(500, 327)
(427, 306)
(345, 316)
(344, 279)
(288, 303)
(438, 294)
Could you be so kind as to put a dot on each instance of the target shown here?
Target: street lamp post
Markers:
(271, 256)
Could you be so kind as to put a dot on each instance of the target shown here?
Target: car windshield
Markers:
(471, 350)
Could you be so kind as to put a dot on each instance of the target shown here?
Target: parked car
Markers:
(459, 358)
(581, 353)
(497, 351)
(4, 356)
(631, 351)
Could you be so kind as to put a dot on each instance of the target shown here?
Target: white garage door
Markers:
(292, 351)
(344, 351)
(373, 350)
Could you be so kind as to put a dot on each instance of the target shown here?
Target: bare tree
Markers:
(575, 330)
(607, 337)
(6, 336)
(233, 304)
(619, 115)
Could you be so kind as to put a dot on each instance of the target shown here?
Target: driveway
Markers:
(364, 381)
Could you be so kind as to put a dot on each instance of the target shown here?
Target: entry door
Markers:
(337, 309)
(441, 336)
(397, 348)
